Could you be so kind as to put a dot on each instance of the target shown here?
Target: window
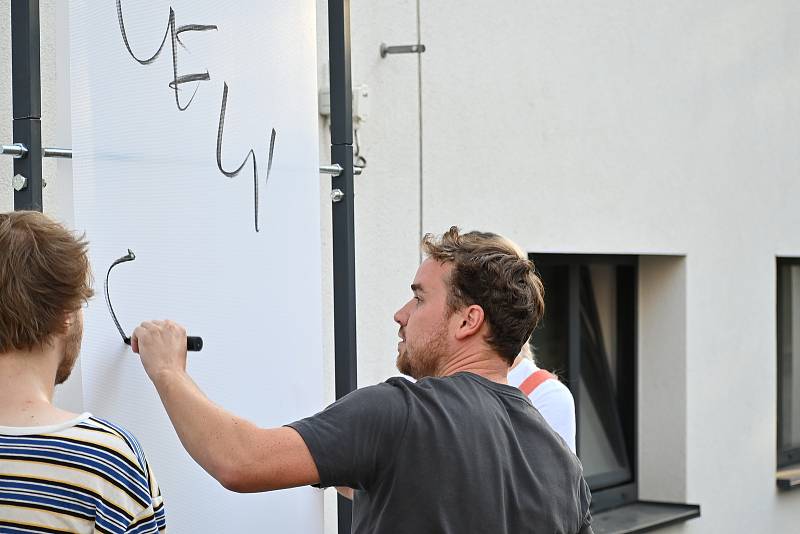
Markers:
(588, 338)
(788, 320)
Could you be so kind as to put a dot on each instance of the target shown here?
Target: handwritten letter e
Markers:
(174, 32)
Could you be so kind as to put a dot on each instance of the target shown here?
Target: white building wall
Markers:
(662, 129)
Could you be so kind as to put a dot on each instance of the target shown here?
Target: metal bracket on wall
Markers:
(336, 170)
(18, 150)
(53, 152)
(402, 49)
(337, 195)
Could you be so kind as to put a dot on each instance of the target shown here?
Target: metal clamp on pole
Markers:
(402, 49)
(53, 152)
(336, 170)
(18, 150)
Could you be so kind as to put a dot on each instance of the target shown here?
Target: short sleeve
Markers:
(152, 518)
(585, 504)
(354, 439)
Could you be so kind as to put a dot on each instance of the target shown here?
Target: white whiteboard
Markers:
(147, 177)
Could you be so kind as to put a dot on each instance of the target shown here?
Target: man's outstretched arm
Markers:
(240, 455)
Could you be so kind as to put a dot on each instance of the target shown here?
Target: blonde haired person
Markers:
(547, 394)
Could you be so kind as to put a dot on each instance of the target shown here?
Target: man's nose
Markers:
(400, 316)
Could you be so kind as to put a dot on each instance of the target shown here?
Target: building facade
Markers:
(644, 154)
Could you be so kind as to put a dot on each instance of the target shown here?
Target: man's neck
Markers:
(478, 360)
(27, 381)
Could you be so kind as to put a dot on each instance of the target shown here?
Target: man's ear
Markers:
(471, 321)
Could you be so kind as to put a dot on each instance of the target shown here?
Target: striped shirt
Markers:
(82, 476)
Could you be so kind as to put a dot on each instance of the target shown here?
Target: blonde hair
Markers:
(526, 351)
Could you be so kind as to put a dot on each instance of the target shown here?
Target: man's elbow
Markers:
(234, 479)
(248, 469)
(232, 471)
(235, 485)
(228, 473)
(242, 479)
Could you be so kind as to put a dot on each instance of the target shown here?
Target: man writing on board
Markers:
(457, 451)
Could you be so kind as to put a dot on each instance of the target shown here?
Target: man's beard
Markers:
(419, 362)
(72, 347)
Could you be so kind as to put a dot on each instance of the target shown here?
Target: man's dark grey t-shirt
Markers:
(453, 455)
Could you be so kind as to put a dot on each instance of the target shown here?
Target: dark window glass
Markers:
(788, 318)
(587, 337)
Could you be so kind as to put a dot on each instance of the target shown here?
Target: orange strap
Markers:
(535, 380)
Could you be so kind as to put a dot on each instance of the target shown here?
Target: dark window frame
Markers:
(789, 455)
(614, 488)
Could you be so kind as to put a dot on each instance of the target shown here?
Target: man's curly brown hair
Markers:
(493, 273)
(44, 276)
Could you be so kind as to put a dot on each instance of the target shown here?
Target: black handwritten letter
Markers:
(251, 153)
(174, 33)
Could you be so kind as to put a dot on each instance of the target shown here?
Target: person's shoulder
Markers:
(429, 385)
(399, 394)
(460, 388)
(521, 371)
(113, 438)
(552, 389)
(431, 389)
(399, 382)
(392, 386)
(393, 394)
(400, 387)
(115, 431)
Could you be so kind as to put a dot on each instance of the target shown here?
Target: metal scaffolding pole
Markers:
(27, 99)
(344, 279)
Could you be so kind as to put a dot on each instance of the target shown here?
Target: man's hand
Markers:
(162, 347)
